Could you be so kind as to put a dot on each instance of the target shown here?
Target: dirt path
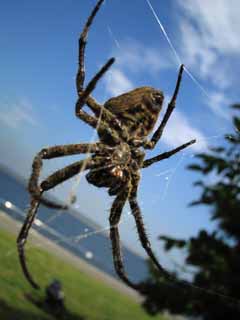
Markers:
(13, 226)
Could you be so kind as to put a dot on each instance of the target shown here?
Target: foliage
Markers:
(215, 256)
(86, 298)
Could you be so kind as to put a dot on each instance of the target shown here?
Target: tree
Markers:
(214, 255)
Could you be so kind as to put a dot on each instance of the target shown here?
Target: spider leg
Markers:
(66, 173)
(22, 238)
(53, 180)
(143, 235)
(107, 116)
(167, 154)
(50, 153)
(136, 212)
(158, 133)
(82, 44)
(84, 94)
(116, 212)
(103, 127)
(147, 246)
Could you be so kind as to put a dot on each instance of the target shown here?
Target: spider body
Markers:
(123, 124)
(120, 161)
(137, 110)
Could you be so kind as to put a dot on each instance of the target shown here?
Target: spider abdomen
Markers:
(137, 110)
(107, 178)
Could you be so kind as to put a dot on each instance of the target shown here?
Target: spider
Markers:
(115, 161)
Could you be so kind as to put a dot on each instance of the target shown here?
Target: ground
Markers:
(88, 296)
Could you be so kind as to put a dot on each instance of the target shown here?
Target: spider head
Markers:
(149, 109)
(155, 100)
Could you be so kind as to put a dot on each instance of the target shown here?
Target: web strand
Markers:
(178, 59)
(113, 37)
(73, 191)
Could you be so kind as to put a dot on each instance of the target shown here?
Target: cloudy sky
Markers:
(39, 43)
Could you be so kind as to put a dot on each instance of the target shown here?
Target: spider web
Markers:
(165, 177)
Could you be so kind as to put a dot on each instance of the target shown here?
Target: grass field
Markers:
(86, 298)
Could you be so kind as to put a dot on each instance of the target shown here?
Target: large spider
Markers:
(116, 159)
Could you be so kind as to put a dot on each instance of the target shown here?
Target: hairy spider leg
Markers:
(136, 212)
(130, 193)
(52, 181)
(158, 133)
(22, 238)
(116, 212)
(84, 94)
(92, 121)
(50, 153)
(82, 44)
(165, 155)
(147, 246)
(66, 173)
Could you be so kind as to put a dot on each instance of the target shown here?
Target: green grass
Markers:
(86, 298)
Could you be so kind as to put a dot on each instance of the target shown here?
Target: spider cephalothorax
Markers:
(123, 124)
(119, 162)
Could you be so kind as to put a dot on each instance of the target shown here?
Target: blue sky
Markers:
(39, 43)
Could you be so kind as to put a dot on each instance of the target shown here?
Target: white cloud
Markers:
(17, 114)
(179, 130)
(217, 21)
(196, 52)
(117, 82)
(133, 58)
(219, 104)
(137, 57)
(210, 38)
